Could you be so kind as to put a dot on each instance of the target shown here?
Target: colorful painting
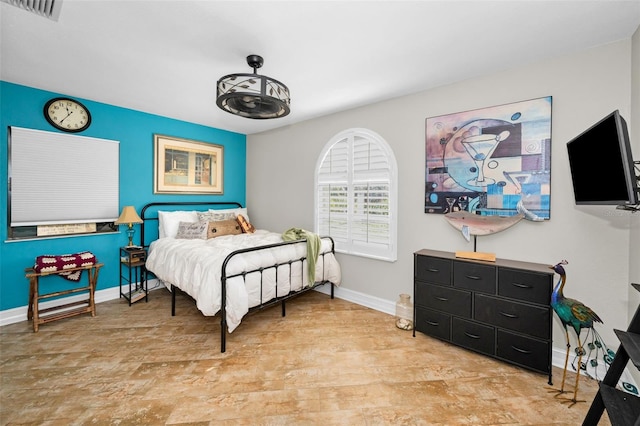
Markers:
(491, 161)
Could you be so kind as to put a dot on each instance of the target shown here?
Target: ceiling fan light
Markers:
(252, 95)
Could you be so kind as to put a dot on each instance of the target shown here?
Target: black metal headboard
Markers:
(149, 212)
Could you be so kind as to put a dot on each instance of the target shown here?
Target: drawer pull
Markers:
(433, 270)
(433, 323)
(473, 277)
(522, 351)
(471, 336)
(521, 285)
(442, 299)
(508, 315)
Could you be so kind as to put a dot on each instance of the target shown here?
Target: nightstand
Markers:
(133, 274)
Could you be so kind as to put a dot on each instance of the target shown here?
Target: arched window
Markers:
(356, 194)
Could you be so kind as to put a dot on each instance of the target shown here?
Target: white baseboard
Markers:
(557, 360)
(375, 303)
(11, 316)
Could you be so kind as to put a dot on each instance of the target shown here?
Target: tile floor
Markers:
(328, 362)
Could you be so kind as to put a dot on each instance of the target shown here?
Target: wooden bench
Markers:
(66, 310)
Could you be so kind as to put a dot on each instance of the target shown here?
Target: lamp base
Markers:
(130, 234)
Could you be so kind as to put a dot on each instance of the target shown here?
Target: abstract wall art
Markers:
(488, 160)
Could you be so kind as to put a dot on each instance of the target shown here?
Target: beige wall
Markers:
(634, 246)
(634, 249)
(596, 240)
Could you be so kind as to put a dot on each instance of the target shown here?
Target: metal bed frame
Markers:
(149, 217)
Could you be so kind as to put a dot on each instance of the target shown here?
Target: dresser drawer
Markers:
(524, 351)
(474, 277)
(523, 285)
(433, 323)
(433, 270)
(445, 299)
(528, 319)
(474, 336)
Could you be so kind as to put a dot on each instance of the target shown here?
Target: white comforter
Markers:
(195, 267)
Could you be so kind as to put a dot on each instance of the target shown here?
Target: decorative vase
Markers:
(404, 312)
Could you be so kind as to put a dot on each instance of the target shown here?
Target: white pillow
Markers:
(168, 222)
(236, 211)
(213, 216)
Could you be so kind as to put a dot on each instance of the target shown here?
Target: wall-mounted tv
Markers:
(602, 168)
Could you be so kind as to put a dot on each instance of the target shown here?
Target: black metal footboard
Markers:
(277, 299)
(263, 303)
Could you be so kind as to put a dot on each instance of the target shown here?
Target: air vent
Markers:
(46, 8)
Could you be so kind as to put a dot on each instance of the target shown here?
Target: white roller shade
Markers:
(57, 178)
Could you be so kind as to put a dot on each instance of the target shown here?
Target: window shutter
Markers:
(371, 176)
(369, 160)
(333, 211)
(333, 192)
(355, 193)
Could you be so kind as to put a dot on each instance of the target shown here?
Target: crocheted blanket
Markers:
(54, 263)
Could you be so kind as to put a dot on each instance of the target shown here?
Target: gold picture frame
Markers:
(183, 166)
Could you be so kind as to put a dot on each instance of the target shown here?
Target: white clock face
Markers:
(68, 115)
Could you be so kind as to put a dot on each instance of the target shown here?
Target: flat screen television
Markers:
(602, 168)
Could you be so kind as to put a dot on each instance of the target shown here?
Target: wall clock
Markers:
(67, 114)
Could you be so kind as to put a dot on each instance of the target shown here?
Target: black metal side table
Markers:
(133, 274)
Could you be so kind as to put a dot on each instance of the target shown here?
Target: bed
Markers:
(230, 273)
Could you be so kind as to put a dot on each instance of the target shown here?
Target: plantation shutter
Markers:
(333, 189)
(370, 212)
(355, 191)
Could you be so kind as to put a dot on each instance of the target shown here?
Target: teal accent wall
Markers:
(22, 106)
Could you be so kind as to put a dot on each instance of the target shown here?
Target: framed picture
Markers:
(182, 166)
(488, 160)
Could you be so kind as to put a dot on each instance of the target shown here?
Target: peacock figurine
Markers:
(574, 314)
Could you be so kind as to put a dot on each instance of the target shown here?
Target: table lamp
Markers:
(129, 216)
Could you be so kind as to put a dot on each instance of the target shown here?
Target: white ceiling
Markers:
(165, 56)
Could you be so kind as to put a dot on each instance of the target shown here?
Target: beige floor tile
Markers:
(328, 362)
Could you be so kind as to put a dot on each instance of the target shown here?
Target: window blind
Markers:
(57, 178)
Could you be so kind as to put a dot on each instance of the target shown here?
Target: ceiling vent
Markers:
(46, 8)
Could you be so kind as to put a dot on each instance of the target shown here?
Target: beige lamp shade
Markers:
(128, 216)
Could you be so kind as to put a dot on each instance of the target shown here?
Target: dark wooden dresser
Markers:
(500, 309)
